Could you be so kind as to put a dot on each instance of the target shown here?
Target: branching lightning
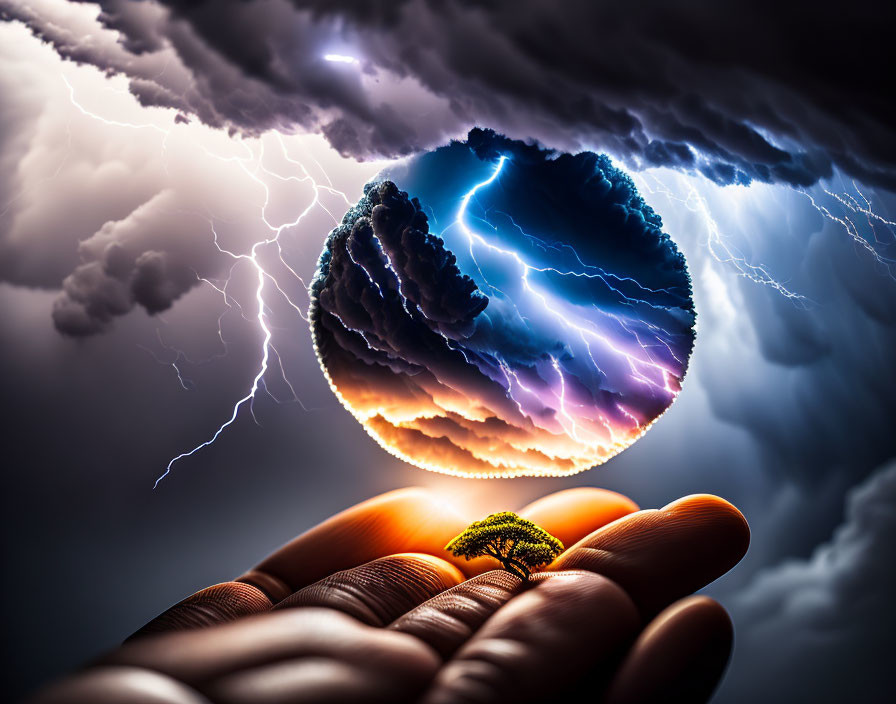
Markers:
(644, 370)
(854, 208)
(849, 204)
(267, 283)
(264, 277)
(717, 245)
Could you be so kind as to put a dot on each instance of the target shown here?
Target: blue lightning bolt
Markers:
(604, 277)
(600, 273)
(588, 330)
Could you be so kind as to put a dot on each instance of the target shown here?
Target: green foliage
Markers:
(516, 543)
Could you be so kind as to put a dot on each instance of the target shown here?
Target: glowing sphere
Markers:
(492, 309)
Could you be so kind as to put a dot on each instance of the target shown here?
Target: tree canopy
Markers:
(519, 545)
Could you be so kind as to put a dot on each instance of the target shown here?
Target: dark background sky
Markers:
(787, 409)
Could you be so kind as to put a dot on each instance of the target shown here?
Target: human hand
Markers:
(368, 607)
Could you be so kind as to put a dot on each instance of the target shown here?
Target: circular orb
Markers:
(493, 309)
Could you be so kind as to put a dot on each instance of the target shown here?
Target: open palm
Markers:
(369, 607)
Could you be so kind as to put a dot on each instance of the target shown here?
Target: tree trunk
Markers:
(516, 568)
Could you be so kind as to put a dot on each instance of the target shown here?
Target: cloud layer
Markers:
(116, 206)
(830, 617)
(758, 91)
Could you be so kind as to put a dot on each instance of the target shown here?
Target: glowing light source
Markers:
(340, 59)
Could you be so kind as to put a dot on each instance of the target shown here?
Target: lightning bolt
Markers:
(562, 397)
(587, 330)
(264, 277)
(599, 273)
(267, 283)
(849, 204)
(185, 383)
(717, 245)
(643, 364)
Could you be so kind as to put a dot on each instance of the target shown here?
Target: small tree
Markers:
(519, 545)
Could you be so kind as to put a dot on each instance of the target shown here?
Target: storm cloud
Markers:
(768, 91)
(151, 258)
(111, 205)
(830, 616)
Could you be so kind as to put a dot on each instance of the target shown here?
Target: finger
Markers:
(448, 620)
(380, 591)
(543, 636)
(224, 662)
(572, 514)
(661, 555)
(207, 607)
(118, 685)
(322, 681)
(406, 520)
(383, 525)
(679, 657)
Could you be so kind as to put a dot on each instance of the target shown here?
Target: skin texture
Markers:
(368, 607)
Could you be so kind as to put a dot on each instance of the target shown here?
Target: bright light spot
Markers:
(340, 59)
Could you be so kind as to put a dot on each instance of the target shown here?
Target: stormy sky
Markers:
(140, 142)
(522, 314)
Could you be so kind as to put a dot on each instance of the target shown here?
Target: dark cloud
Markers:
(758, 91)
(448, 299)
(151, 258)
(392, 312)
(830, 617)
(110, 205)
(95, 293)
